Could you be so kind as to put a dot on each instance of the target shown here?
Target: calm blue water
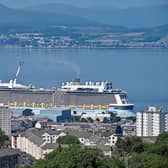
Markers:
(141, 72)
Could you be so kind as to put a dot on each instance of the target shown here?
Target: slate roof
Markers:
(50, 146)
(79, 134)
(35, 135)
(9, 152)
(29, 134)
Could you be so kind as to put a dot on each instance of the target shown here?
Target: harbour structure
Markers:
(50, 113)
(151, 122)
(90, 95)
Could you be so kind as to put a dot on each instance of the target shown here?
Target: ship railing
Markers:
(30, 104)
(91, 106)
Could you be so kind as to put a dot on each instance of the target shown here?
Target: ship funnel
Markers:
(76, 81)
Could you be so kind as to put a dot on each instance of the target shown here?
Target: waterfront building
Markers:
(97, 116)
(5, 119)
(54, 113)
(151, 122)
(129, 129)
(65, 116)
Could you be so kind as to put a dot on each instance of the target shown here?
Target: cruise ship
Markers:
(74, 94)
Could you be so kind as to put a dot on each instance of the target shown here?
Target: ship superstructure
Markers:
(13, 83)
(92, 95)
(16, 94)
(90, 86)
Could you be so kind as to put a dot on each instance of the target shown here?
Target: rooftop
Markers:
(8, 152)
(154, 109)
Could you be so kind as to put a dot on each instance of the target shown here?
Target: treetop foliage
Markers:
(68, 139)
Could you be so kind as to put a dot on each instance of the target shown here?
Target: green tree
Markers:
(146, 160)
(111, 162)
(72, 157)
(138, 147)
(77, 157)
(68, 139)
(129, 144)
(160, 149)
(26, 166)
(162, 138)
(135, 161)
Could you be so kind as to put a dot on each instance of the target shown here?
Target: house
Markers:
(112, 140)
(37, 142)
(9, 158)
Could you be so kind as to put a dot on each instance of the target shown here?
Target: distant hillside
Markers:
(58, 7)
(68, 26)
(68, 15)
(159, 33)
(85, 3)
(132, 17)
(16, 17)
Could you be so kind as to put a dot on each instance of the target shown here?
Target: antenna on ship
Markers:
(18, 71)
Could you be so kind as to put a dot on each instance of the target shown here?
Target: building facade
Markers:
(36, 143)
(5, 119)
(151, 122)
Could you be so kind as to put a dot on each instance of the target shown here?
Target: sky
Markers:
(86, 3)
